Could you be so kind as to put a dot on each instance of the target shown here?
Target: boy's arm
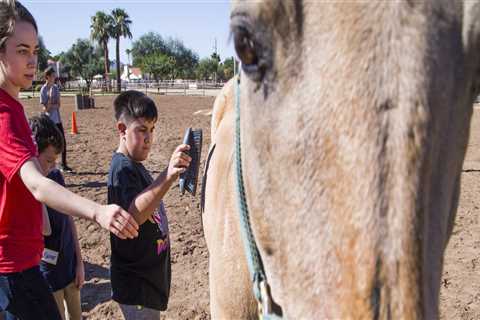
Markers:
(145, 203)
(79, 270)
(110, 217)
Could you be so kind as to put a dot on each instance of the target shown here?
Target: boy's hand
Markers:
(117, 221)
(179, 162)
(79, 275)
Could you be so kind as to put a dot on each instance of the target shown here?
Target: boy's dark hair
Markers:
(49, 71)
(11, 11)
(46, 133)
(134, 104)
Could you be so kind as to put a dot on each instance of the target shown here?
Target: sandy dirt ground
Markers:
(89, 154)
(460, 295)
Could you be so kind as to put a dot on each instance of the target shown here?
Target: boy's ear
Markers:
(121, 127)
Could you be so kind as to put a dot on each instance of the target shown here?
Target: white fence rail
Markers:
(175, 87)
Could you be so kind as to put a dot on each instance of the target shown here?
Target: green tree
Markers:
(148, 44)
(43, 54)
(216, 56)
(159, 66)
(120, 28)
(215, 67)
(186, 60)
(129, 53)
(83, 60)
(225, 70)
(100, 32)
(207, 69)
(201, 71)
(58, 57)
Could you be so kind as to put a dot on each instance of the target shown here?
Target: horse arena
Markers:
(89, 154)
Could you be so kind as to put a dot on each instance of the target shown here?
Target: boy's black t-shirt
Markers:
(140, 268)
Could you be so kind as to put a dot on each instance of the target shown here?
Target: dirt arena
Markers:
(89, 155)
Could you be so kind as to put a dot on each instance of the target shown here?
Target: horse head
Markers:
(354, 126)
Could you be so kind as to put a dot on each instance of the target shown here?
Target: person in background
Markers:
(50, 99)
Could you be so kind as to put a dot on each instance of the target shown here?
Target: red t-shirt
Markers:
(21, 240)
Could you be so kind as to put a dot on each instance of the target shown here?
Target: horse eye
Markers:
(245, 48)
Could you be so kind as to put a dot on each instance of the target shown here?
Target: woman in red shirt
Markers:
(23, 187)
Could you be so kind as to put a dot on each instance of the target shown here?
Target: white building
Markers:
(130, 73)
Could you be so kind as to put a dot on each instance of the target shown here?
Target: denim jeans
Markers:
(25, 295)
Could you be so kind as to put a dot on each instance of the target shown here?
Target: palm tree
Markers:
(100, 31)
(120, 28)
(128, 52)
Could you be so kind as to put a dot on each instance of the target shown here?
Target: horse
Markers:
(354, 123)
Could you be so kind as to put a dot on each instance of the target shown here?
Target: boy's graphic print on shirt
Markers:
(160, 218)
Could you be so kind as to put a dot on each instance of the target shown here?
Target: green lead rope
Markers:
(254, 261)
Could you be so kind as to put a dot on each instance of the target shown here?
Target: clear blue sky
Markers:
(196, 22)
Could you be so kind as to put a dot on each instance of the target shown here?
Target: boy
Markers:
(50, 99)
(61, 265)
(140, 269)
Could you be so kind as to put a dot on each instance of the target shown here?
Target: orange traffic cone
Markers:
(74, 123)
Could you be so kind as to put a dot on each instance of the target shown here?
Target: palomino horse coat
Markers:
(355, 121)
(230, 287)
